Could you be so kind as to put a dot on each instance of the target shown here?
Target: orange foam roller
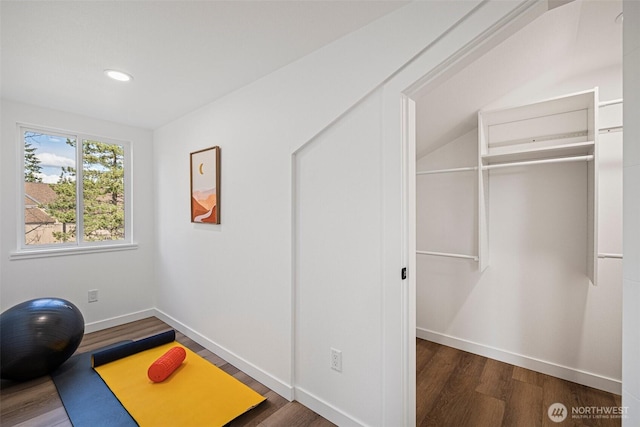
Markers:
(166, 364)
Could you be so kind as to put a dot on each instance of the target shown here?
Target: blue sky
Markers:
(53, 153)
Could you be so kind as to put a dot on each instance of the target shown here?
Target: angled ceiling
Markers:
(568, 41)
(182, 54)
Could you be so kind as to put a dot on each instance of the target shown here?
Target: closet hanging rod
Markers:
(470, 168)
(611, 129)
(616, 256)
(444, 254)
(539, 162)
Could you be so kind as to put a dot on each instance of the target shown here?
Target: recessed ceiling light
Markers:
(118, 75)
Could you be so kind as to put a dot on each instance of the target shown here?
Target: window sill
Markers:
(76, 250)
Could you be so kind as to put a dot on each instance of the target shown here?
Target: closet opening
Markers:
(518, 185)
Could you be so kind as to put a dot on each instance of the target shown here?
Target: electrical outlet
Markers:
(93, 295)
(336, 360)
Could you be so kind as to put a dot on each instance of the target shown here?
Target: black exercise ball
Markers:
(37, 336)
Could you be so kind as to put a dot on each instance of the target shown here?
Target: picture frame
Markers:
(205, 186)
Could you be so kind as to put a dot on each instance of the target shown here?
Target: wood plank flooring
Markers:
(36, 403)
(454, 389)
(457, 389)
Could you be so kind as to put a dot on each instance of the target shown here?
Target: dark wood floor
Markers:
(458, 389)
(454, 389)
(36, 403)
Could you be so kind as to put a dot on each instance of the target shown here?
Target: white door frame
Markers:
(519, 17)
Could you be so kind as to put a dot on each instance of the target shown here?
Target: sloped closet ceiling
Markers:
(575, 38)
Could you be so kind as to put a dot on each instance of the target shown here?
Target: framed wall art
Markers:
(205, 186)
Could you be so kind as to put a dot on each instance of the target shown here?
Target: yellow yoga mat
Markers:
(197, 394)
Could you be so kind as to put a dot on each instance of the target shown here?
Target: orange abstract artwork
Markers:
(205, 186)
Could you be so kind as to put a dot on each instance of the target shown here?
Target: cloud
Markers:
(50, 159)
(48, 179)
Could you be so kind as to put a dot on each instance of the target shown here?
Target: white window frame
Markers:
(79, 245)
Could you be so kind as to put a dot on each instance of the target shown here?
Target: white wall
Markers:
(338, 246)
(533, 306)
(446, 203)
(124, 279)
(631, 286)
(231, 286)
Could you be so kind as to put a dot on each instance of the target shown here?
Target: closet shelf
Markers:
(563, 129)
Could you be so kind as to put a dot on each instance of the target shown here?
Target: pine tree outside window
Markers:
(75, 191)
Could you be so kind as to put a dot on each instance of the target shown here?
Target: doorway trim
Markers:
(508, 25)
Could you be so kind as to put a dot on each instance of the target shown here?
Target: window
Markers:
(75, 191)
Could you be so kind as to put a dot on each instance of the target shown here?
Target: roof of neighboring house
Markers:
(39, 192)
(37, 216)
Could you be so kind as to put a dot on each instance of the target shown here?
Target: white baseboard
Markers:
(589, 379)
(119, 320)
(278, 386)
(287, 391)
(325, 409)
